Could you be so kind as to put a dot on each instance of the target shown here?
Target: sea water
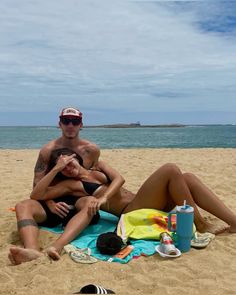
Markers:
(209, 136)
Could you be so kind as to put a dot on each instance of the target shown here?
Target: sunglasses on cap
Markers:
(67, 121)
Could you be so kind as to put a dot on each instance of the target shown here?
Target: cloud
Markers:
(119, 55)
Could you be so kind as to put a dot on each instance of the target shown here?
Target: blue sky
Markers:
(157, 62)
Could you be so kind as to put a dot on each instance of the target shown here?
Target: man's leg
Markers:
(28, 213)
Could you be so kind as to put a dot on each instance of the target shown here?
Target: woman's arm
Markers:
(112, 188)
(42, 186)
(71, 187)
(53, 192)
(116, 180)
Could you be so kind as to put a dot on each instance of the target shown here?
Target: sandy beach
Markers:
(207, 271)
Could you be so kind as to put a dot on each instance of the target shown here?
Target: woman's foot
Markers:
(53, 253)
(19, 255)
(232, 229)
(211, 228)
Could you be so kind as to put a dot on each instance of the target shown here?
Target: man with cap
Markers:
(70, 123)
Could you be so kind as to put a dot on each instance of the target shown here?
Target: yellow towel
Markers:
(144, 224)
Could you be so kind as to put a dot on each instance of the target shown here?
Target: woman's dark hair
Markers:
(55, 154)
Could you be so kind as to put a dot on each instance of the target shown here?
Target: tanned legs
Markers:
(168, 187)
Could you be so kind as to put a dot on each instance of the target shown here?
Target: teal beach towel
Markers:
(108, 223)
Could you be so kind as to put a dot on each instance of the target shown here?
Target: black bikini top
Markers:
(107, 177)
(91, 187)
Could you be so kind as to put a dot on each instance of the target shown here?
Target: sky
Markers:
(153, 62)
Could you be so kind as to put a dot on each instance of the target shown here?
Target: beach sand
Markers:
(207, 271)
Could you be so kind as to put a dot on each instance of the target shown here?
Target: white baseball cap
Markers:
(72, 112)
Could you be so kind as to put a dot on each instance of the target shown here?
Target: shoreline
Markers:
(133, 148)
(125, 125)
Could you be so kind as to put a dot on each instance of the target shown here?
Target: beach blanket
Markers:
(108, 223)
(144, 224)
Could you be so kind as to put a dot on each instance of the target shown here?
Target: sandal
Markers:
(80, 255)
(94, 289)
(201, 240)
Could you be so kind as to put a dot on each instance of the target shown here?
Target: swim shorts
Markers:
(54, 219)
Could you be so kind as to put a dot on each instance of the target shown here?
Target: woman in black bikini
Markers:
(46, 191)
(73, 180)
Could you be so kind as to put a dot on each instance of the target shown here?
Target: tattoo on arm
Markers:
(40, 165)
(39, 169)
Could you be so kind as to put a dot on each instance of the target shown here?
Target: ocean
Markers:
(204, 136)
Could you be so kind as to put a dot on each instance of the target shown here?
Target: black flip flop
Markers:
(93, 289)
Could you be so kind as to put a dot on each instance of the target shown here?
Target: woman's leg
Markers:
(208, 201)
(164, 189)
(28, 213)
(73, 228)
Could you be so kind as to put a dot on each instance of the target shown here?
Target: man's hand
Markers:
(61, 209)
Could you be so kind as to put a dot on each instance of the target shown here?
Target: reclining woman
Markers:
(163, 190)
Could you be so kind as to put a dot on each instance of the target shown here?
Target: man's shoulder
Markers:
(88, 144)
(48, 148)
(90, 153)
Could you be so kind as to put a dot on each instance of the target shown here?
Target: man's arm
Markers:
(40, 168)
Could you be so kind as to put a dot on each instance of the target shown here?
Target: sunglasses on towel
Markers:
(67, 121)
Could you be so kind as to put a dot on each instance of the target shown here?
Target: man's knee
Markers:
(24, 213)
(26, 207)
(23, 205)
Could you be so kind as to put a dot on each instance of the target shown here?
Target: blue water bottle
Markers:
(184, 226)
